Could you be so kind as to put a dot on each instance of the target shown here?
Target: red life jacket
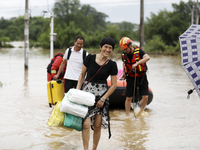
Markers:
(127, 64)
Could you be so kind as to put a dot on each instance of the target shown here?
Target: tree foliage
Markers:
(71, 19)
(65, 11)
(168, 25)
(66, 35)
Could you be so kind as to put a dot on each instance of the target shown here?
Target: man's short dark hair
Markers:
(109, 41)
(81, 38)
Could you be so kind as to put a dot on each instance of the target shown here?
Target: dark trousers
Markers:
(70, 84)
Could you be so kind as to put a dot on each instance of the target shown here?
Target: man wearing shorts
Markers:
(134, 62)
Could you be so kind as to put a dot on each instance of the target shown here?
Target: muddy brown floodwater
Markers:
(172, 123)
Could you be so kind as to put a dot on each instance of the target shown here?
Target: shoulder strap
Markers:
(69, 53)
(84, 54)
(95, 73)
(70, 50)
(61, 54)
(124, 57)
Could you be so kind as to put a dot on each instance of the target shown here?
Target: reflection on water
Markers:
(134, 133)
(26, 92)
(129, 133)
(172, 121)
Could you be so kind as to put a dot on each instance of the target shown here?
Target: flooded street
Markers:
(172, 123)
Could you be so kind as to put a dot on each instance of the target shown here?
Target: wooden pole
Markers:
(26, 35)
(197, 16)
(142, 24)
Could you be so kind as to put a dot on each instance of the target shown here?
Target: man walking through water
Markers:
(73, 57)
(134, 60)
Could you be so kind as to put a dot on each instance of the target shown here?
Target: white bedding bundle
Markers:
(75, 102)
(72, 108)
(81, 97)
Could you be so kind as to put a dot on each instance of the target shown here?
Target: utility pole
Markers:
(192, 13)
(26, 35)
(142, 24)
(53, 36)
(197, 16)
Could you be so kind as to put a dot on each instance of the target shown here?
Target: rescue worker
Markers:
(134, 61)
(54, 65)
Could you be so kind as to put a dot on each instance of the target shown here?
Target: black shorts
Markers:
(70, 84)
(141, 82)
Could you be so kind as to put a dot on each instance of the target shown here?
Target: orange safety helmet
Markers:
(125, 42)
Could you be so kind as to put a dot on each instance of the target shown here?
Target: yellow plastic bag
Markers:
(57, 117)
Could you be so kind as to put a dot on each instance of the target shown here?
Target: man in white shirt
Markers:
(74, 64)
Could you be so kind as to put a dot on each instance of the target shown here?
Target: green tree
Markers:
(66, 35)
(111, 32)
(127, 29)
(13, 33)
(35, 27)
(155, 44)
(168, 25)
(44, 39)
(19, 23)
(99, 20)
(157, 25)
(84, 17)
(4, 23)
(179, 20)
(65, 11)
(3, 42)
(92, 41)
(44, 35)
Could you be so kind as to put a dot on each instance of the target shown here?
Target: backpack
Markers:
(70, 50)
(52, 61)
(61, 54)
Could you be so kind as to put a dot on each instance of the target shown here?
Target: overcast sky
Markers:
(117, 10)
